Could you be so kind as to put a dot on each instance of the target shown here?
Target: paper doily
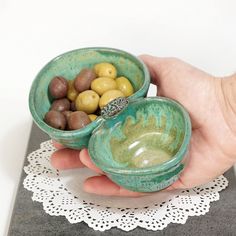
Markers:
(61, 194)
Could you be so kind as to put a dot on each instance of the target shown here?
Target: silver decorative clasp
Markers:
(114, 107)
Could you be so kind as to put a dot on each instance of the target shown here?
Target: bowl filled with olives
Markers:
(70, 96)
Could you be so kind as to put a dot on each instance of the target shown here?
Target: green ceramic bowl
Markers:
(69, 65)
(144, 147)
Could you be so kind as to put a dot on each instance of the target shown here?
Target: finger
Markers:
(176, 185)
(156, 67)
(86, 160)
(101, 185)
(66, 159)
(57, 145)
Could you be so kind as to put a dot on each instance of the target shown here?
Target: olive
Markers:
(72, 106)
(58, 87)
(124, 85)
(105, 69)
(62, 104)
(83, 79)
(103, 84)
(92, 117)
(109, 96)
(55, 119)
(78, 120)
(67, 114)
(72, 92)
(87, 101)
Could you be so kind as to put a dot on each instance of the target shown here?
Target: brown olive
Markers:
(58, 87)
(55, 119)
(67, 114)
(83, 79)
(78, 120)
(62, 104)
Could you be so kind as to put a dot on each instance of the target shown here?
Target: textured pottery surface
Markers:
(143, 147)
(69, 65)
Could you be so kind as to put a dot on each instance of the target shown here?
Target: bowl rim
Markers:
(177, 158)
(90, 127)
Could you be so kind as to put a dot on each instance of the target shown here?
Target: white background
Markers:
(201, 32)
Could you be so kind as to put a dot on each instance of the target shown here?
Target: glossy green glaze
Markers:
(143, 147)
(69, 65)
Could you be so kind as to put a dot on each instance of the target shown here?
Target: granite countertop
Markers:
(29, 218)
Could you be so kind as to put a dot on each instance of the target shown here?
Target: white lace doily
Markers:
(61, 194)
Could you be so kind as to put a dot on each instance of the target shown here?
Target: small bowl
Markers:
(69, 65)
(144, 147)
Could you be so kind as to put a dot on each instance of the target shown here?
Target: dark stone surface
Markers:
(29, 218)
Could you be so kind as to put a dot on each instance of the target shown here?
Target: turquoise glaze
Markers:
(144, 147)
(69, 65)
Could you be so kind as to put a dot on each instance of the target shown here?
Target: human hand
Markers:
(212, 145)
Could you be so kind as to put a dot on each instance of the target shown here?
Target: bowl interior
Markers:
(149, 132)
(70, 64)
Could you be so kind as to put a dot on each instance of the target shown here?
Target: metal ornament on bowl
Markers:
(114, 107)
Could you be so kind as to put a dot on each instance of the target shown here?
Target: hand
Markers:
(212, 146)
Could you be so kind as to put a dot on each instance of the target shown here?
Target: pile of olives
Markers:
(77, 102)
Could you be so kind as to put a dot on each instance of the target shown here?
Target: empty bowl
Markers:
(144, 147)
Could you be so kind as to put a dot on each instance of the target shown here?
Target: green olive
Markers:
(103, 84)
(109, 96)
(87, 101)
(124, 86)
(92, 117)
(71, 92)
(105, 69)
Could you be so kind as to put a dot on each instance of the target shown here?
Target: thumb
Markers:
(178, 184)
(157, 67)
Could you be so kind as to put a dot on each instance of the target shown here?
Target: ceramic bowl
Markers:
(69, 65)
(144, 147)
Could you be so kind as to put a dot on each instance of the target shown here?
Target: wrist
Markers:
(228, 101)
(225, 89)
